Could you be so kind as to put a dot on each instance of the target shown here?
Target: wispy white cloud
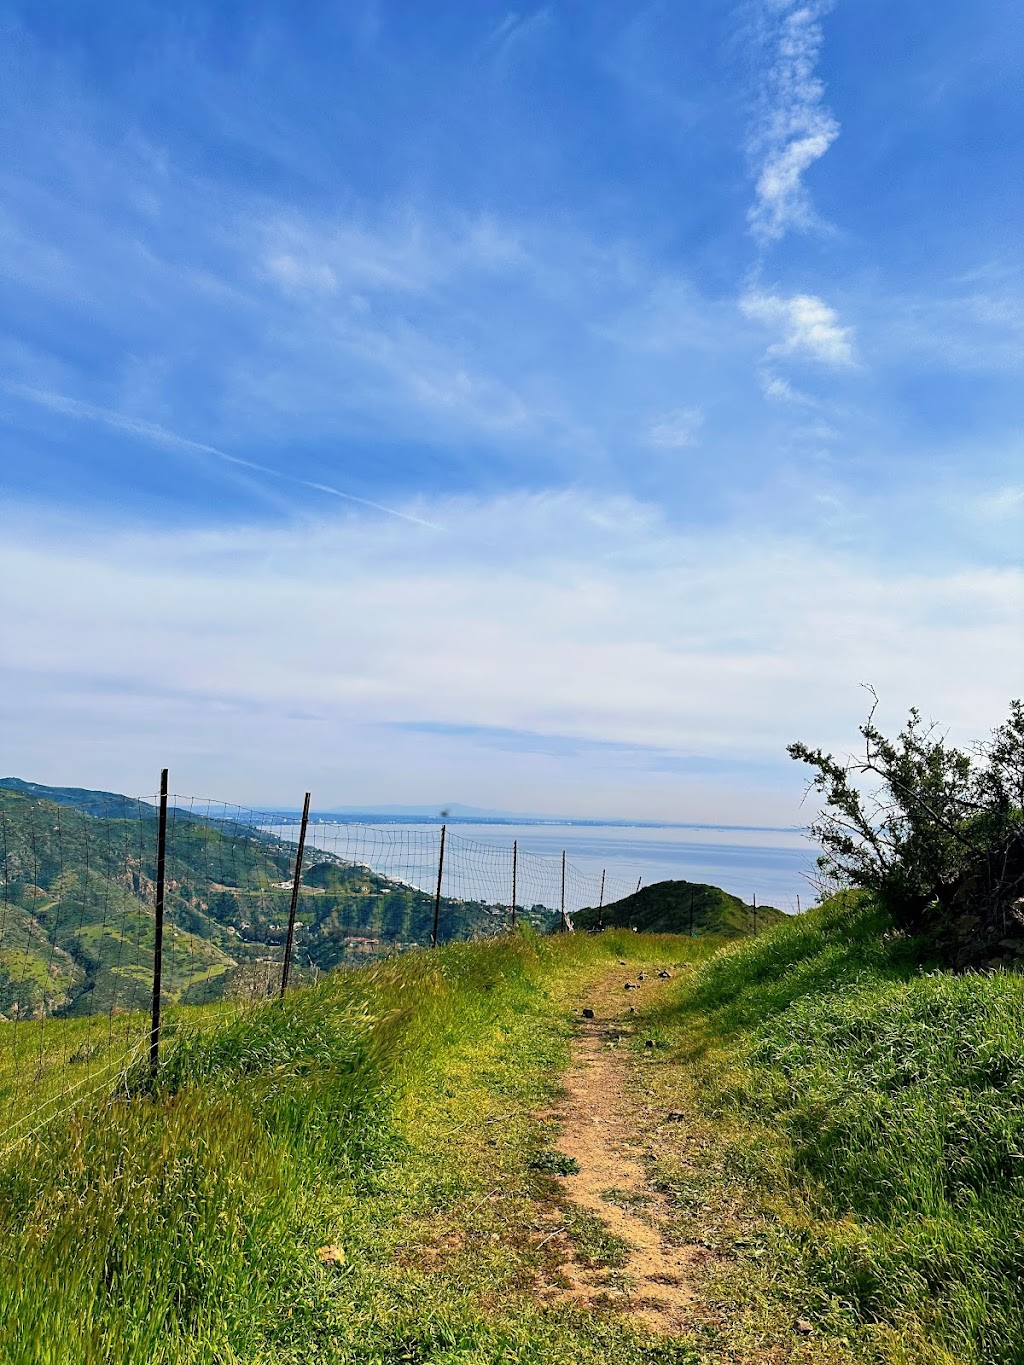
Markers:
(1001, 505)
(403, 254)
(562, 615)
(481, 327)
(676, 430)
(777, 388)
(516, 30)
(810, 329)
(793, 127)
(950, 328)
(511, 348)
(293, 273)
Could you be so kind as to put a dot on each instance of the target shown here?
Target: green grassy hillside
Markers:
(876, 1105)
(281, 1197)
(83, 799)
(77, 888)
(355, 1175)
(672, 907)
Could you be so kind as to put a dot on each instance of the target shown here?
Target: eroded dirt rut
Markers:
(599, 1127)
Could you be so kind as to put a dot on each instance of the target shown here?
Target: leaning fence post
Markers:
(515, 871)
(296, 881)
(600, 902)
(755, 914)
(437, 893)
(158, 933)
(563, 890)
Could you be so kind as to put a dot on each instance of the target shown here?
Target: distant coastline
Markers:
(385, 817)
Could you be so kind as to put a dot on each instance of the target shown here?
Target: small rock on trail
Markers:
(588, 1014)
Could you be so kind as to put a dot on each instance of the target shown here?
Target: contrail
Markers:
(158, 435)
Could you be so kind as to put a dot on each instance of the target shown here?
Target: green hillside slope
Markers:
(77, 890)
(76, 925)
(883, 1098)
(84, 799)
(677, 907)
(352, 1176)
(363, 1174)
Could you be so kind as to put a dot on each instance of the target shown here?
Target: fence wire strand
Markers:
(77, 923)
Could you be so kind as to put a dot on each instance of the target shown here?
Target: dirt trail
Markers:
(600, 1128)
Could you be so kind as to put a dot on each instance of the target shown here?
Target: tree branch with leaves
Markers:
(935, 832)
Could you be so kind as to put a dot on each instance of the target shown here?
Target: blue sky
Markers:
(555, 408)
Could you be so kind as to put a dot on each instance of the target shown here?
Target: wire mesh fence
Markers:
(120, 918)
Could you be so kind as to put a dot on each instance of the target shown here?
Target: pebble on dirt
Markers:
(588, 1014)
(665, 976)
(803, 1327)
(631, 986)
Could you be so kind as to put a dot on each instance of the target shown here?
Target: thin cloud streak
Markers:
(171, 440)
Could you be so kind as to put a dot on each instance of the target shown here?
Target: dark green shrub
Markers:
(934, 832)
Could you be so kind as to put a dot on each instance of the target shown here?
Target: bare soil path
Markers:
(601, 1129)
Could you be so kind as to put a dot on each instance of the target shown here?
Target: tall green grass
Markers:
(900, 1093)
(343, 1176)
(352, 1175)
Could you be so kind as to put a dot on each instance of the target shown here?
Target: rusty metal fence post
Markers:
(563, 892)
(158, 931)
(293, 908)
(437, 893)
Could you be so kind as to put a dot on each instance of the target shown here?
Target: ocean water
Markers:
(774, 865)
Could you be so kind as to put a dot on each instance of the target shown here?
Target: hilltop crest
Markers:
(666, 908)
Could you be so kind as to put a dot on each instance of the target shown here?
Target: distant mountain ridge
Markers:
(84, 799)
(92, 801)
